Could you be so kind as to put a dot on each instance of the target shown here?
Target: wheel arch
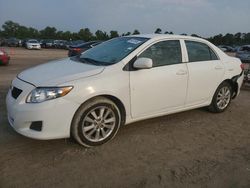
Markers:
(114, 99)
(233, 83)
(119, 104)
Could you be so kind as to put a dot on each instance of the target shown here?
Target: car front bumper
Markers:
(56, 115)
(34, 47)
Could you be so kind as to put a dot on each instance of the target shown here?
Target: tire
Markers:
(88, 126)
(222, 98)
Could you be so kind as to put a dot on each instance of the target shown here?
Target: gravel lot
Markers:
(189, 149)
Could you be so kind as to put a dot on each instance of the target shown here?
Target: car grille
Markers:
(15, 92)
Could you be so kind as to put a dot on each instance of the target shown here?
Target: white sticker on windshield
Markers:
(134, 41)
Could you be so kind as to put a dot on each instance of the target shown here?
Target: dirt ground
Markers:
(190, 149)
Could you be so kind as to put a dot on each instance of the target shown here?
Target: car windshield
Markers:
(245, 48)
(33, 41)
(112, 51)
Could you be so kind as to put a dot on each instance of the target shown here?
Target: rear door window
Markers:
(198, 51)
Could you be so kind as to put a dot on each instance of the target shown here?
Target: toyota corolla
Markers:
(120, 81)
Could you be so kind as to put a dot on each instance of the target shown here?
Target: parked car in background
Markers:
(78, 49)
(24, 42)
(61, 44)
(13, 42)
(68, 44)
(244, 53)
(2, 41)
(33, 44)
(77, 42)
(47, 43)
(226, 48)
(247, 76)
(4, 57)
(40, 41)
(120, 81)
(56, 43)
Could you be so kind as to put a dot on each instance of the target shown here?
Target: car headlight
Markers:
(42, 94)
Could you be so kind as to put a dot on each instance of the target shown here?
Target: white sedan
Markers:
(33, 44)
(121, 81)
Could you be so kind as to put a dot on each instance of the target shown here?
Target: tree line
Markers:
(13, 29)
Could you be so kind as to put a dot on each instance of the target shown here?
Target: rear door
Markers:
(205, 72)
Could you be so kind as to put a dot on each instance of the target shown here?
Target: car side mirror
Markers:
(143, 63)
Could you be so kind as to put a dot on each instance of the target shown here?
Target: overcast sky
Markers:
(203, 17)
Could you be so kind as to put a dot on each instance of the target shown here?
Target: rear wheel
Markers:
(96, 122)
(221, 98)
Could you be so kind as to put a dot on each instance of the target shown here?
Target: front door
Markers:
(164, 86)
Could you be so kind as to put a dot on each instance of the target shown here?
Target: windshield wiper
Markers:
(85, 60)
(89, 60)
(94, 62)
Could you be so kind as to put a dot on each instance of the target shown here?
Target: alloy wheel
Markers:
(98, 124)
(223, 98)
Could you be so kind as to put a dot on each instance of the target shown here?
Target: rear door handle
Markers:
(181, 72)
(218, 67)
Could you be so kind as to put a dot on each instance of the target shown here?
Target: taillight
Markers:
(242, 66)
(77, 49)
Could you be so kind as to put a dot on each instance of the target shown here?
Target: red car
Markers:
(4, 57)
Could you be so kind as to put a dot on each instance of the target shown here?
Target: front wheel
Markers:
(221, 98)
(96, 122)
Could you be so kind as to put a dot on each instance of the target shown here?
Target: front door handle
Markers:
(181, 72)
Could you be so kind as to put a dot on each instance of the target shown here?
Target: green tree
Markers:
(32, 33)
(136, 32)
(158, 31)
(77, 36)
(23, 32)
(217, 39)
(127, 34)
(100, 35)
(195, 35)
(10, 28)
(13, 29)
(113, 34)
(66, 35)
(247, 38)
(59, 34)
(48, 33)
(238, 38)
(85, 34)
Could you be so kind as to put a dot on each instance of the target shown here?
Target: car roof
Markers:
(166, 36)
(246, 46)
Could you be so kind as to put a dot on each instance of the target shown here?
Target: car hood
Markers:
(58, 72)
(32, 43)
